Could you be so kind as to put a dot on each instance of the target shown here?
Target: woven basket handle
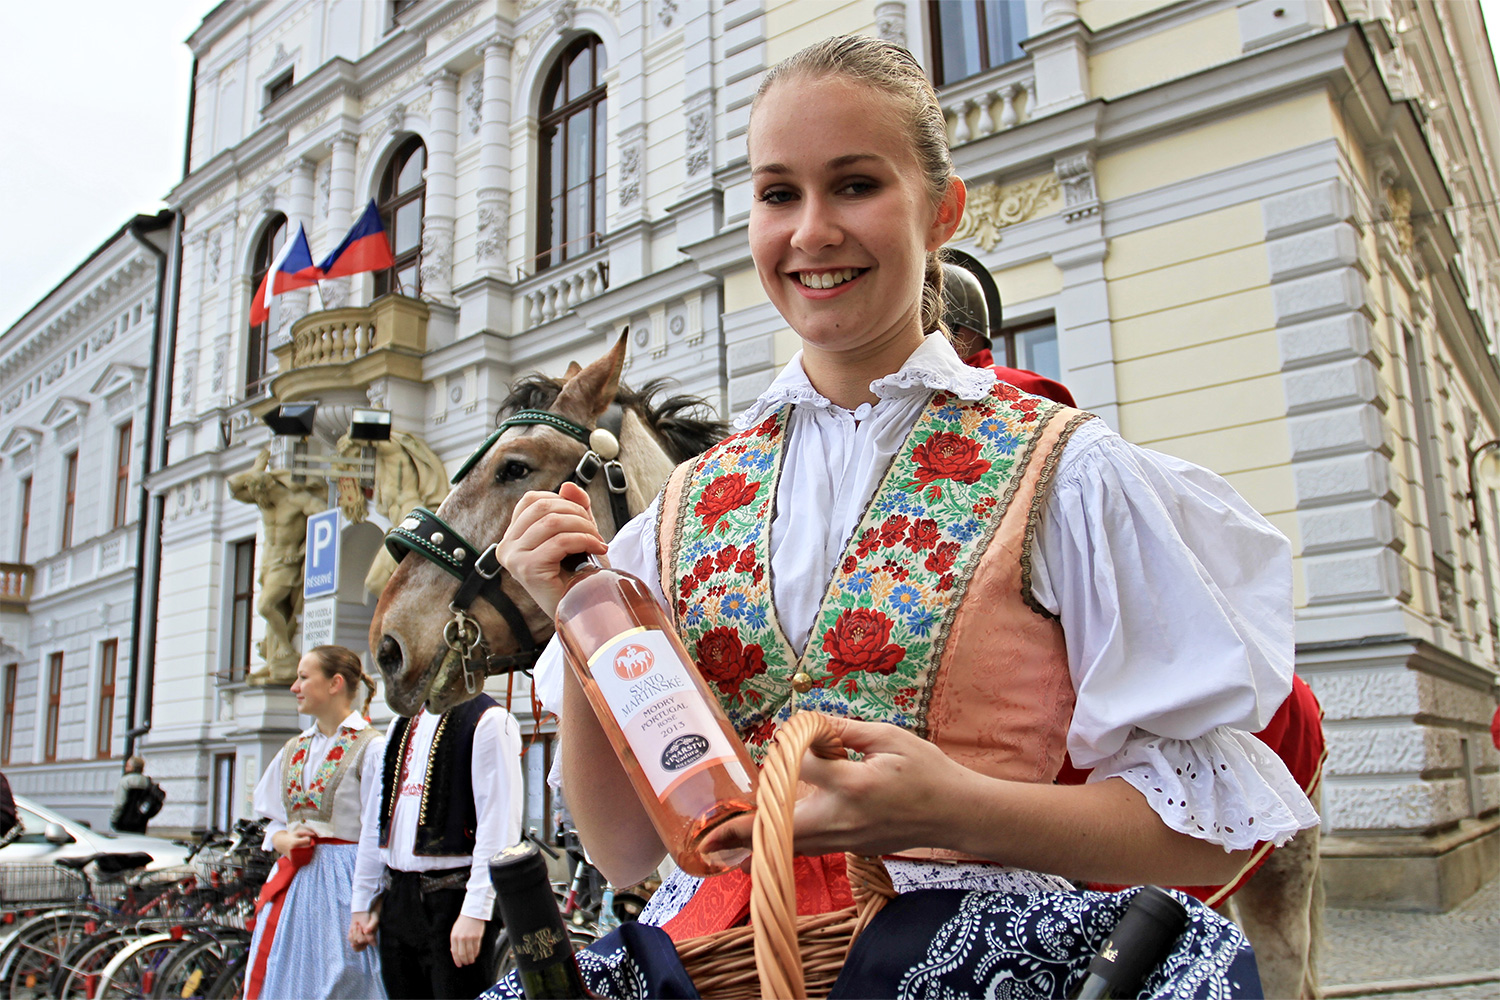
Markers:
(773, 891)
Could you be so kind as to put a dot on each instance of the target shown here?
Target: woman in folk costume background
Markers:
(313, 793)
(988, 579)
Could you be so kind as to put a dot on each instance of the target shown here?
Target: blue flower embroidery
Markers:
(965, 529)
(733, 605)
(760, 460)
(905, 598)
(755, 616)
(922, 621)
(949, 412)
(694, 614)
(859, 582)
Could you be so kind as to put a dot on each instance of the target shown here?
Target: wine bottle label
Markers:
(647, 686)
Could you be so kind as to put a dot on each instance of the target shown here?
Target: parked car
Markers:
(49, 835)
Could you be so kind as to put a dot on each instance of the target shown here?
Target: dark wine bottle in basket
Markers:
(1142, 938)
(545, 962)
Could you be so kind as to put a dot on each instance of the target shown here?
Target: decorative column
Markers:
(300, 212)
(890, 21)
(630, 246)
(340, 209)
(494, 160)
(437, 223)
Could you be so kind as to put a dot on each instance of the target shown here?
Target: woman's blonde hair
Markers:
(893, 70)
(344, 662)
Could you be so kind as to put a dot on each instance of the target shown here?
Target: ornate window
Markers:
(570, 169)
(257, 357)
(109, 655)
(122, 475)
(242, 606)
(54, 707)
(402, 199)
(70, 498)
(971, 36)
(25, 519)
(8, 720)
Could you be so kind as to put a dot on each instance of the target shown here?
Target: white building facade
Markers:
(75, 404)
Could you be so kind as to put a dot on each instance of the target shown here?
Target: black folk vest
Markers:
(447, 818)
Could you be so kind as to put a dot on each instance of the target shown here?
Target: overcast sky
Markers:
(95, 113)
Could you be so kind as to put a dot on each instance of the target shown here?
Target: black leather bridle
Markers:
(478, 569)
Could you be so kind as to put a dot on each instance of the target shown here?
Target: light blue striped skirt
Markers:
(310, 955)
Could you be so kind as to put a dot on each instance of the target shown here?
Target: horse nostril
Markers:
(388, 655)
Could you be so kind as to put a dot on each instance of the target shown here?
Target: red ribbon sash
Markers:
(724, 900)
(274, 893)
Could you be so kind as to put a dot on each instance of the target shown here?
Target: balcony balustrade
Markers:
(15, 585)
(351, 347)
(559, 290)
(990, 102)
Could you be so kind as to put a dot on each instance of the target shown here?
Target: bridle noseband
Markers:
(478, 569)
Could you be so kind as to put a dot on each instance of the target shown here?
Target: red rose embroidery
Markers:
(766, 428)
(849, 564)
(759, 572)
(726, 558)
(893, 530)
(725, 662)
(703, 567)
(1006, 391)
(868, 542)
(337, 753)
(726, 493)
(297, 757)
(943, 557)
(947, 582)
(681, 608)
(945, 455)
(689, 584)
(763, 733)
(923, 534)
(860, 640)
(747, 560)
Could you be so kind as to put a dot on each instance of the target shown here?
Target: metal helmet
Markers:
(963, 301)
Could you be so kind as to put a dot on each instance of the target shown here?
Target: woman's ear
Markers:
(950, 211)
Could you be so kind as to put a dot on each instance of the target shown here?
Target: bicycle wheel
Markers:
(77, 975)
(231, 982)
(132, 973)
(195, 967)
(37, 949)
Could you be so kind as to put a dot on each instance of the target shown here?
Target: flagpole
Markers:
(318, 287)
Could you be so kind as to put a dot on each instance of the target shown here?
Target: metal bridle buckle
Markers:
(614, 476)
(461, 633)
(588, 467)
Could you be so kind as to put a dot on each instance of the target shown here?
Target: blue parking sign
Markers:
(321, 569)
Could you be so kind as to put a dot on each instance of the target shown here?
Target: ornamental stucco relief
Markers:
(992, 208)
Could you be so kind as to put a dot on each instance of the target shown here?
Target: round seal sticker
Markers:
(633, 660)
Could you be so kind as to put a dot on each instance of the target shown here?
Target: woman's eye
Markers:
(858, 187)
(512, 471)
(775, 197)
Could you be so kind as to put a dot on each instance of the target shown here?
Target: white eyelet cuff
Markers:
(1226, 787)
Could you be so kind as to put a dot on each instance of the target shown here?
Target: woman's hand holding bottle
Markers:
(544, 529)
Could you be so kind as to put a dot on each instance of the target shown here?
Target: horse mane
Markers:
(685, 424)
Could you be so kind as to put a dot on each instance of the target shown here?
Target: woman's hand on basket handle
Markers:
(545, 528)
(906, 793)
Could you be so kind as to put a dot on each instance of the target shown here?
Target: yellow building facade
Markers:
(1265, 238)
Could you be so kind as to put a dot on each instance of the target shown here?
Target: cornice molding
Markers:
(87, 298)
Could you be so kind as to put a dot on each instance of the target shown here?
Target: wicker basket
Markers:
(782, 954)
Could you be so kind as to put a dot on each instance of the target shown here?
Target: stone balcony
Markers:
(340, 349)
(15, 585)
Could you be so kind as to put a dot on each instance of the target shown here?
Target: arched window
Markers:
(258, 355)
(402, 199)
(570, 173)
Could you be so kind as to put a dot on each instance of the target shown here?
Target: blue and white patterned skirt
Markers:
(310, 954)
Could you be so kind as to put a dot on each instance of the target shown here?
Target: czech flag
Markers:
(292, 268)
(365, 248)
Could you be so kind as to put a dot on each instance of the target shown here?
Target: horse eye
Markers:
(512, 471)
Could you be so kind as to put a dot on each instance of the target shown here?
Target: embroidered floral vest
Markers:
(928, 621)
(325, 803)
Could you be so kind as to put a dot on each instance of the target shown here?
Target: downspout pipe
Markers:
(152, 510)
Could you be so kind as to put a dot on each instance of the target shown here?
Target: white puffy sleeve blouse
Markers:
(1175, 596)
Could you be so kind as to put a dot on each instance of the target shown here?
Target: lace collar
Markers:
(932, 367)
(353, 721)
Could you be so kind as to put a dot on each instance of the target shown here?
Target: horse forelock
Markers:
(683, 423)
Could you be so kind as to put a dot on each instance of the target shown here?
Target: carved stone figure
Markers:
(407, 474)
(285, 506)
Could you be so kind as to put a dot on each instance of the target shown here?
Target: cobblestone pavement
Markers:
(1372, 953)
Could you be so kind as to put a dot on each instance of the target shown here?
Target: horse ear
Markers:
(589, 393)
(573, 369)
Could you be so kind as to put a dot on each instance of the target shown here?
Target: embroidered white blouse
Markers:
(267, 799)
(1175, 596)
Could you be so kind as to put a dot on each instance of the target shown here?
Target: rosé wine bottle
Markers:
(687, 765)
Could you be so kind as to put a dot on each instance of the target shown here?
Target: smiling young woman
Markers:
(983, 578)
